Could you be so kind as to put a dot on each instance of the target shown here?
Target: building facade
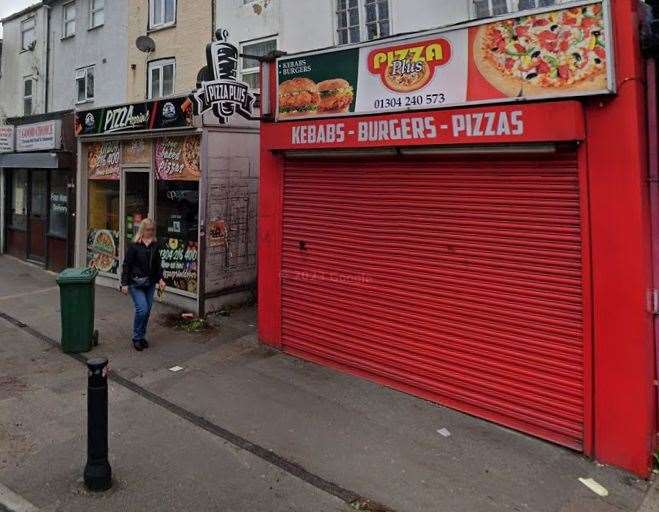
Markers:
(180, 30)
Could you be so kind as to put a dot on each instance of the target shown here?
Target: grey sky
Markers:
(8, 7)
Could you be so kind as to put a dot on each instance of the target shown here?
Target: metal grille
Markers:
(457, 281)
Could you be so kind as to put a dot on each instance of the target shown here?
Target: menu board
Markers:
(546, 54)
(103, 250)
(104, 160)
(180, 264)
(177, 158)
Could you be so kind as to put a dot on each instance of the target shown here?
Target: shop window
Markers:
(162, 76)
(251, 68)
(177, 217)
(17, 199)
(96, 13)
(103, 225)
(85, 84)
(68, 20)
(58, 205)
(162, 13)
(362, 20)
(28, 96)
(28, 33)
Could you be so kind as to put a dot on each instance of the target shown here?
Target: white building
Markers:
(24, 70)
(261, 26)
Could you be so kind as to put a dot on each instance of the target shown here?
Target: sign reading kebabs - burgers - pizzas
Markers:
(545, 54)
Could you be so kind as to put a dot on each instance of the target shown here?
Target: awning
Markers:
(50, 160)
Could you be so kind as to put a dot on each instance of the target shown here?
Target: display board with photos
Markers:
(547, 53)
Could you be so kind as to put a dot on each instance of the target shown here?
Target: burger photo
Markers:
(336, 96)
(298, 97)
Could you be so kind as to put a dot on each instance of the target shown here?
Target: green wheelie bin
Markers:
(77, 306)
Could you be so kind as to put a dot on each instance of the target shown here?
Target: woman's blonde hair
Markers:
(145, 224)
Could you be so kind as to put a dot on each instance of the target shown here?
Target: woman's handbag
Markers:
(141, 282)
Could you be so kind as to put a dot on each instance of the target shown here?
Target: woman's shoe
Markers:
(138, 346)
(145, 344)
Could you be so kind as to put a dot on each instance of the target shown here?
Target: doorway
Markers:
(138, 201)
(37, 215)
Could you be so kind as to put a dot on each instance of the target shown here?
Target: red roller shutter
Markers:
(456, 280)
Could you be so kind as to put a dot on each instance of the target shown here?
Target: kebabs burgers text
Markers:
(336, 96)
(298, 97)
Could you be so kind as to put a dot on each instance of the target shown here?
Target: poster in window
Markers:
(180, 263)
(104, 161)
(138, 152)
(103, 250)
(177, 158)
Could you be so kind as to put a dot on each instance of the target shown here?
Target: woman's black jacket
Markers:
(142, 261)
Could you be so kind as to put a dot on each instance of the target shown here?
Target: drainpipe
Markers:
(653, 177)
(47, 72)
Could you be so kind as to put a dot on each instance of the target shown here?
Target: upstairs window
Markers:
(85, 84)
(162, 76)
(251, 68)
(362, 20)
(28, 33)
(28, 95)
(162, 13)
(487, 8)
(68, 20)
(96, 13)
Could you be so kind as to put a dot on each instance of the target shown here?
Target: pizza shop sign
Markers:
(548, 53)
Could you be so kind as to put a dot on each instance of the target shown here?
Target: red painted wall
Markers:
(623, 353)
(614, 158)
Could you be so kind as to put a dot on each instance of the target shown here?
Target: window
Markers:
(486, 8)
(103, 225)
(162, 76)
(58, 204)
(251, 68)
(17, 203)
(68, 20)
(162, 13)
(362, 20)
(96, 13)
(28, 94)
(85, 84)
(28, 33)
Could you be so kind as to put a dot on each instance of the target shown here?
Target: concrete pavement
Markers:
(242, 427)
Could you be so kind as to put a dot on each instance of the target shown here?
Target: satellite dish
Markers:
(145, 44)
(203, 76)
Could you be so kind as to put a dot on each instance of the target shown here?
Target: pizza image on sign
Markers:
(409, 67)
(549, 53)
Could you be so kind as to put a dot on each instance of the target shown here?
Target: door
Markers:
(459, 281)
(37, 215)
(137, 201)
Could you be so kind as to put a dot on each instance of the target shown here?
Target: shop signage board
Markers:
(168, 113)
(7, 139)
(42, 136)
(491, 124)
(224, 94)
(544, 54)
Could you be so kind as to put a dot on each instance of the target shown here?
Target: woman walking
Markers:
(141, 274)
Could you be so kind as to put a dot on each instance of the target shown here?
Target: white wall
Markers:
(18, 64)
(105, 47)
(309, 24)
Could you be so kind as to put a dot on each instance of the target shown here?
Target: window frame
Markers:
(30, 96)
(152, 13)
(362, 23)
(160, 64)
(94, 10)
(257, 69)
(66, 21)
(512, 7)
(31, 19)
(85, 71)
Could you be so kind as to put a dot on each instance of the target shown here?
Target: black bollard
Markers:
(98, 474)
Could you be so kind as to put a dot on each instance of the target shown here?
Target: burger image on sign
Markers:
(408, 68)
(298, 97)
(336, 96)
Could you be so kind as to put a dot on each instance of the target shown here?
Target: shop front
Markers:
(37, 157)
(153, 160)
(444, 216)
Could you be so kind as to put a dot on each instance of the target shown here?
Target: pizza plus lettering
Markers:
(549, 53)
